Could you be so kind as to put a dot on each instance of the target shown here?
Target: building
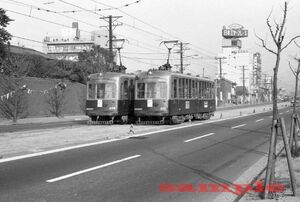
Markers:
(71, 42)
(257, 73)
(236, 64)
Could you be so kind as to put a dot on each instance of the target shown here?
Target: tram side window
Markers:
(186, 85)
(180, 88)
(193, 89)
(197, 89)
(126, 89)
(175, 89)
(208, 90)
(213, 90)
(204, 90)
(201, 89)
(92, 91)
(190, 89)
(141, 90)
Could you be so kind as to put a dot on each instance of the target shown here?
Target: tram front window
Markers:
(91, 91)
(156, 90)
(106, 91)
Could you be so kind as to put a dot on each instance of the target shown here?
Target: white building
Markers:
(71, 42)
(235, 63)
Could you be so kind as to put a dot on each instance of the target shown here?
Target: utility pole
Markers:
(220, 64)
(244, 84)
(181, 51)
(111, 26)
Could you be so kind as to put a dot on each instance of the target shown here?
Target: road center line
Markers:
(91, 169)
(209, 134)
(281, 113)
(238, 126)
(259, 120)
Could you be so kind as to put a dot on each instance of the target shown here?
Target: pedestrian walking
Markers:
(131, 129)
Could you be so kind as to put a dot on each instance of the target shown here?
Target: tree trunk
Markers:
(275, 109)
(296, 89)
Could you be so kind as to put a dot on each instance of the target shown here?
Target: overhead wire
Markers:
(152, 26)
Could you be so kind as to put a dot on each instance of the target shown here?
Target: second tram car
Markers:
(168, 97)
(110, 97)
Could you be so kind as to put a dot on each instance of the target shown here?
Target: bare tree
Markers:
(277, 31)
(15, 105)
(56, 99)
(296, 74)
(13, 69)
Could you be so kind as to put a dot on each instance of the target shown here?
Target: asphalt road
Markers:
(133, 169)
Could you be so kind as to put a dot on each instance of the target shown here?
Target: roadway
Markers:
(133, 169)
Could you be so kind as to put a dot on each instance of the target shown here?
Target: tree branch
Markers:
(292, 39)
(292, 69)
(264, 45)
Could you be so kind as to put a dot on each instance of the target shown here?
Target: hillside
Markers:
(74, 101)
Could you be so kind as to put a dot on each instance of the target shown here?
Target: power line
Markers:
(48, 21)
(134, 27)
(49, 11)
(104, 9)
(152, 26)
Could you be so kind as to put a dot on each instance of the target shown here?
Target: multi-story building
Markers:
(71, 42)
(235, 64)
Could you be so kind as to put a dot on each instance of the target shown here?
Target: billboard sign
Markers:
(234, 31)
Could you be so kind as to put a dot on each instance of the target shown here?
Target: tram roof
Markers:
(109, 75)
(159, 73)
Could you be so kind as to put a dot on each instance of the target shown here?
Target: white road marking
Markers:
(196, 138)
(287, 111)
(281, 113)
(54, 151)
(238, 126)
(113, 140)
(91, 169)
(259, 120)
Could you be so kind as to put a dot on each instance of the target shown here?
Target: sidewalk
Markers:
(228, 111)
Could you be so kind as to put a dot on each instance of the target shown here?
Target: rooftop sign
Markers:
(234, 31)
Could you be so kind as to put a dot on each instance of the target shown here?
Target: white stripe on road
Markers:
(259, 120)
(281, 113)
(196, 138)
(118, 139)
(238, 126)
(91, 169)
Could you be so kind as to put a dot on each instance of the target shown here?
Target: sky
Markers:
(147, 23)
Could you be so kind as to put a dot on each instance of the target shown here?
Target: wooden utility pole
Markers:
(220, 65)
(111, 26)
(244, 96)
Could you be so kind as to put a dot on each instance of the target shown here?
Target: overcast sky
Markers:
(148, 22)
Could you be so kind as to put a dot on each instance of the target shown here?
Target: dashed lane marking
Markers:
(259, 120)
(91, 169)
(196, 138)
(238, 126)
